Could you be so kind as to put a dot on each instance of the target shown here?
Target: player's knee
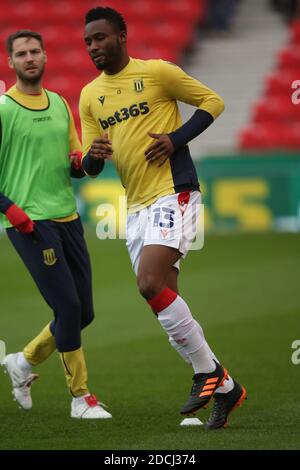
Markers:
(67, 327)
(148, 286)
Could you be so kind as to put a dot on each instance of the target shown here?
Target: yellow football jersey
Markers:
(143, 98)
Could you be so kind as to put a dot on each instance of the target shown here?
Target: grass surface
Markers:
(244, 290)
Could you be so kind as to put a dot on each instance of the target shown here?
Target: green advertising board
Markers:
(240, 193)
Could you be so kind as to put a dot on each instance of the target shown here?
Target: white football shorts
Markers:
(169, 221)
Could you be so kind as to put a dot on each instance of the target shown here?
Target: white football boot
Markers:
(21, 381)
(88, 407)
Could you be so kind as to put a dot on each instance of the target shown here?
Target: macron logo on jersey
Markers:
(42, 119)
(124, 114)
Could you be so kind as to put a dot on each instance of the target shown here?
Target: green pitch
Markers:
(245, 292)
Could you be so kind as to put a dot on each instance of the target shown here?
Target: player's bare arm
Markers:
(101, 148)
(160, 150)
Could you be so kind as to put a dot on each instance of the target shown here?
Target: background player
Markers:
(39, 214)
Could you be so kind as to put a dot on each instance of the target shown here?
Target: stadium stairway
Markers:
(235, 66)
(275, 117)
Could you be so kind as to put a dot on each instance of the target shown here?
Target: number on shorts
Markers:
(163, 217)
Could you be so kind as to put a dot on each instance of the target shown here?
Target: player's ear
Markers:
(10, 63)
(123, 37)
(46, 58)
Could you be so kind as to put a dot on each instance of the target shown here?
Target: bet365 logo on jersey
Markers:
(125, 113)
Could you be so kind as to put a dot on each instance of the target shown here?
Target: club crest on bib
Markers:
(49, 257)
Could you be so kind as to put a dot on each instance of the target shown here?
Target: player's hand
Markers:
(75, 159)
(160, 150)
(101, 148)
(19, 219)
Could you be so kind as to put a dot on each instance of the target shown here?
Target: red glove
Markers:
(19, 219)
(75, 159)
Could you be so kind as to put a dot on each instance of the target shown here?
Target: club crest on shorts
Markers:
(138, 85)
(164, 232)
(49, 257)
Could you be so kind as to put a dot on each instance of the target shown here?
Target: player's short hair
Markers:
(108, 14)
(23, 33)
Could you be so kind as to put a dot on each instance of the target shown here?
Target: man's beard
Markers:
(115, 56)
(30, 80)
(101, 66)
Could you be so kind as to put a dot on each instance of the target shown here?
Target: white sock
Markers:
(202, 360)
(185, 356)
(176, 319)
(23, 363)
(228, 383)
(226, 387)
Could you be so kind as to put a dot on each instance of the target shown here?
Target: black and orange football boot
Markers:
(204, 386)
(224, 404)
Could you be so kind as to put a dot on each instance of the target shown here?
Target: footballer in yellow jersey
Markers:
(142, 98)
(129, 114)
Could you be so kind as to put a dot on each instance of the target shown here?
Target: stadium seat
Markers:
(270, 137)
(280, 82)
(177, 34)
(275, 118)
(260, 137)
(295, 32)
(155, 52)
(292, 137)
(189, 10)
(64, 85)
(156, 30)
(278, 109)
(30, 13)
(289, 57)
